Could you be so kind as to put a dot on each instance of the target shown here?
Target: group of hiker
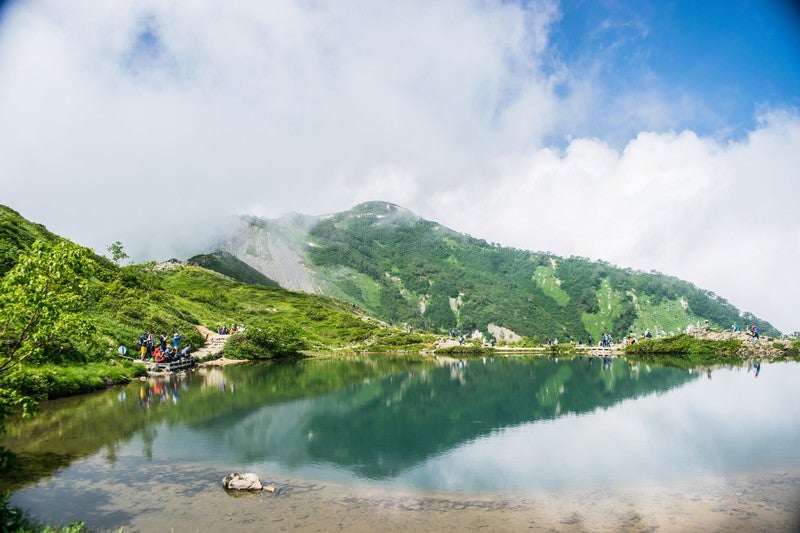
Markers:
(225, 330)
(157, 348)
(754, 332)
(751, 329)
(605, 340)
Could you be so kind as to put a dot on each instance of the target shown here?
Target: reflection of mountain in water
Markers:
(384, 426)
(373, 416)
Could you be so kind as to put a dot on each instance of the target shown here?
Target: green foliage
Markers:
(393, 340)
(40, 301)
(668, 317)
(53, 381)
(117, 252)
(17, 235)
(418, 267)
(418, 262)
(264, 342)
(41, 297)
(545, 278)
(466, 349)
(685, 345)
(610, 305)
(793, 350)
(527, 342)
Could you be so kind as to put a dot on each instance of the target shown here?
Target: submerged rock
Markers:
(237, 481)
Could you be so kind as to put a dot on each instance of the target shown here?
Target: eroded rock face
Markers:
(278, 249)
(237, 481)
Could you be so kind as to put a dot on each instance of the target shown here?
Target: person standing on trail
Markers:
(143, 346)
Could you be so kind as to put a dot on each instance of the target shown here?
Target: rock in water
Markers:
(237, 481)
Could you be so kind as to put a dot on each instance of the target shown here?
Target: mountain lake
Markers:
(411, 443)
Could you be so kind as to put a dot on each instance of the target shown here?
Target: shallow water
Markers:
(406, 442)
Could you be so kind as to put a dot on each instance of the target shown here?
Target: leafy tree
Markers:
(116, 251)
(40, 301)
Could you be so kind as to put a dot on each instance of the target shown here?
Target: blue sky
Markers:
(730, 56)
(655, 135)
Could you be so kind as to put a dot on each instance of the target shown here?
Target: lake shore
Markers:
(763, 501)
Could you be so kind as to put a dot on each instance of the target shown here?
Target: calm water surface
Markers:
(480, 426)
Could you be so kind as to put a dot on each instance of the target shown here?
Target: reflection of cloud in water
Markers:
(725, 425)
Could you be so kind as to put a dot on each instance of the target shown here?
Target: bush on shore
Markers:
(265, 342)
(53, 381)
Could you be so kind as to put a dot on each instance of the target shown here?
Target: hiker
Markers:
(162, 341)
(143, 346)
(176, 340)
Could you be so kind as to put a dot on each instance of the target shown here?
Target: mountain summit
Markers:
(405, 269)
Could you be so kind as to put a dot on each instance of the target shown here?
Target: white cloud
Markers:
(152, 122)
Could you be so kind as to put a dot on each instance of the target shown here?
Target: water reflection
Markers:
(491, 423)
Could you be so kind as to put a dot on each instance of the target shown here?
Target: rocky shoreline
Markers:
(764, 347)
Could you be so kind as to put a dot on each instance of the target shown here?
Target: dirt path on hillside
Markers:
(211, 348)
(213, 345)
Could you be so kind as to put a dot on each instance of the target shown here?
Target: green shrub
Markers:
(465, 349)
(793, 350)
(53, 381)
(684, 344)
(264, 342)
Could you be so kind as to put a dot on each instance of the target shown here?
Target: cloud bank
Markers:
(153, 123)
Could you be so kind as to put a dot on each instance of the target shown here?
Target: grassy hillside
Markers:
(141, 298)
(123, 302)
(406, 269)
(16, 234)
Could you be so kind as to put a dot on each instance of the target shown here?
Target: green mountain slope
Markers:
(226, 264)
(399, 267)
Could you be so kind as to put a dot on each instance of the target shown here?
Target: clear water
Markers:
(494, 425)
